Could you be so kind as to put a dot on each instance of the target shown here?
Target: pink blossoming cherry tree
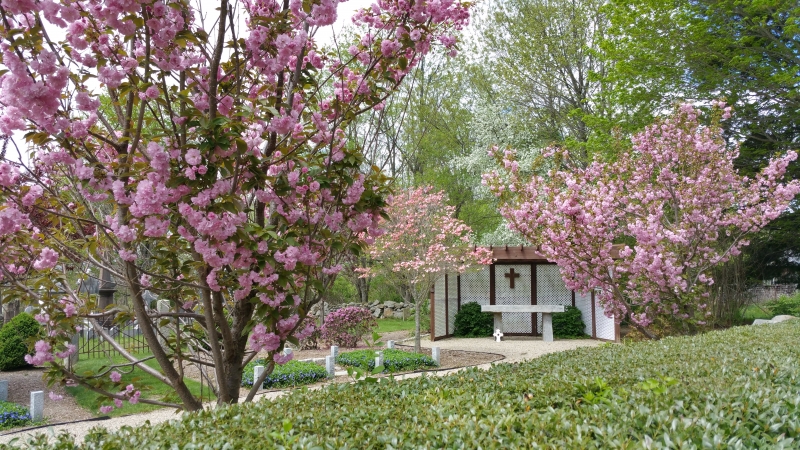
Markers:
(201, 157)
(674, 205)
(423, 241)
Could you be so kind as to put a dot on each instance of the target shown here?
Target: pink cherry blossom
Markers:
(669, 200)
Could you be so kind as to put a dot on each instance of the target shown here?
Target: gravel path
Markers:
(22, 382)
(513, 349)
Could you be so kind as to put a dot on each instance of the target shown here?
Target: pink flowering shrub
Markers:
(346, 326)
(674, 204)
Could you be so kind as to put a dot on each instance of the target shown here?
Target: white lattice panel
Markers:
(519, 295)
(452, 302)
(584, 303)
(550, 289)
(606, 327)
(439, 318)
(475, 287)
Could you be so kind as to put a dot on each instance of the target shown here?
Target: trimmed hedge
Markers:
(738, 388)
(569, 324)
(13, 415)
(12, 341)
(393, 360)
(471, 322)
(293, 373)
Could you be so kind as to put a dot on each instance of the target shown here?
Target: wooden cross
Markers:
(511, 275)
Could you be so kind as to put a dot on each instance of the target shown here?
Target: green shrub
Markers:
(471, 322)
(293, 373)
(13, 415)
(13, 335)
(393, 360)
(736, 388)
(569, 324)
(785, 305)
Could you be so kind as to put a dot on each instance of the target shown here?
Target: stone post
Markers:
(378, 359)
(436, 355)
(334, 351)
(547, 327)
(3, 390)
(37, 406)
(73, 358)
(330, 367)
(390, 344)
(287, 351)
(257, 372)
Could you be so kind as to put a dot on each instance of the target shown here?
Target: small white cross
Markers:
(498, 335)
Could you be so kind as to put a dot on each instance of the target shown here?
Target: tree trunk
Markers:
(190, 403)
(417, 317)
(363, 290)
(10, 310)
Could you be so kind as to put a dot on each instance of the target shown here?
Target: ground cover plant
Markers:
(293, 373)
(393, 360)
(13, 415)
(737, 388)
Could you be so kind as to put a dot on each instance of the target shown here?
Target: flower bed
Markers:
(393, 360)
(293, 373)
(13, 415)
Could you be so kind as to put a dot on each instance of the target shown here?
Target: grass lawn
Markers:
(387, 325)
(158, 391)
(752, 312)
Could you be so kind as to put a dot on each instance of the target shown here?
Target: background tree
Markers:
(422, 242)
(542, 56)
(658, 53)
(675, 206)
(220, 179)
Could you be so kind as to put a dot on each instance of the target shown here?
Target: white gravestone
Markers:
(257, 372)
(334, 351)
(3, 390)
(330, 364)
(390, 344)
(436, 355)
(37, 406)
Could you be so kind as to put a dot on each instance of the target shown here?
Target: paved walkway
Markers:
(514, 349)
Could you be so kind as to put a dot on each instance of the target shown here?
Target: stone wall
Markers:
(385, 310)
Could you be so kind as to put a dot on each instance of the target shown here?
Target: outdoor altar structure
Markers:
(518, 276)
